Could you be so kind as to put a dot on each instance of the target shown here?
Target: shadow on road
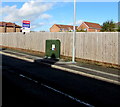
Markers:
(50, 61)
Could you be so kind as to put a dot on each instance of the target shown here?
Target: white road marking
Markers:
(67, 95)
(58, 91)
(21, 75)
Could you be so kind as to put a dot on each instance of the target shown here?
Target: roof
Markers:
(118, 24)
(68, 27)
(92, 25)
(9, 24)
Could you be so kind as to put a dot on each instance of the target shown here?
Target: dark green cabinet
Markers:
(53, 49)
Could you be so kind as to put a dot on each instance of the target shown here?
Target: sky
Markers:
(44, 14)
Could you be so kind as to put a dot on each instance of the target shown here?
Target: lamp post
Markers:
(74, 33)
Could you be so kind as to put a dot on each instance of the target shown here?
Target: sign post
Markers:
(25, 26)
(74, 33)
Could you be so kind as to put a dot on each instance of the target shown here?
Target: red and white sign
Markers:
(25, 26)
(26, 22)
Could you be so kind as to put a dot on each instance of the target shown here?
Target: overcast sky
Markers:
(44, 14)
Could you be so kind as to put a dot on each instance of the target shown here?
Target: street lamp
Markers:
(74, 33)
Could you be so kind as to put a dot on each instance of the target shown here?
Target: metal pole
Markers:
(74, 33)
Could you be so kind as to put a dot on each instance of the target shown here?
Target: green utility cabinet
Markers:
(53, 49)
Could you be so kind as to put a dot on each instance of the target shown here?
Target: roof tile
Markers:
(8, 24)
(68, 27)
(92, 25)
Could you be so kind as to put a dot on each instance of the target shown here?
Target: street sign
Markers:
(25, 26)
(25, 21)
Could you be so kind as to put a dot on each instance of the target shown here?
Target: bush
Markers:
(108, 26)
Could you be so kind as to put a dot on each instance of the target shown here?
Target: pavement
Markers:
(102, 73)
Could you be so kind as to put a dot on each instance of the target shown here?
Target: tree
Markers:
(108, 26)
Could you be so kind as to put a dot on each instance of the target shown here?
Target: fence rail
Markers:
(97, 46)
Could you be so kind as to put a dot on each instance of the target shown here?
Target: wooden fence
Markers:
(96, 46)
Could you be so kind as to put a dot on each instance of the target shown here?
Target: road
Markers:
(40, 84)
(20, 92)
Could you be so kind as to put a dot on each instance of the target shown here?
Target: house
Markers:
(61, 28)
(117, 24)
(90, 27)
(9, 27)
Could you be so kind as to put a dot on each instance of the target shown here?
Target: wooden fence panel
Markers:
(97, 46)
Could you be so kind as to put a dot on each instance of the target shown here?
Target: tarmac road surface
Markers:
(89, 90)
